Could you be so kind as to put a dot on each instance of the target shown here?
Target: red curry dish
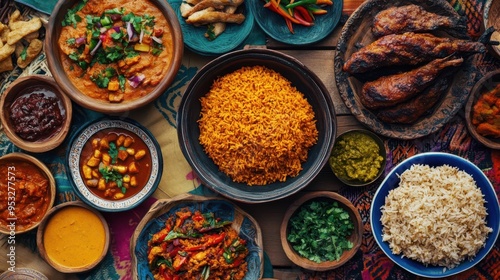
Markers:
(25, 194)
(115, 50)
(115, 164)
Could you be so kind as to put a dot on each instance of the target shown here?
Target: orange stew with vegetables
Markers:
(115, 50)
(24, 194)
(196, 245)
(115, 164)
(486, 113)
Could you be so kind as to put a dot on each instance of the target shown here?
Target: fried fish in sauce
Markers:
(414, 18)
(407, 49)
(391, 90)
(411, 110)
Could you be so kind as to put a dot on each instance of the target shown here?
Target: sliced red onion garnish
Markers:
(115, 17)
(94, 50)
(157, 40)
(141, 36)
(130, 30)
(116, 28)
(136, 80)
(80, 40)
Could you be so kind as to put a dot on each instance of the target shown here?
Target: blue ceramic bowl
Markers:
(302, 78)
(434, 159)
(154, 221)
(230, 39)
(275, 27)
(78, 141)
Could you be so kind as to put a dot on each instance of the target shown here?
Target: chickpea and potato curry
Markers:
(115, 164)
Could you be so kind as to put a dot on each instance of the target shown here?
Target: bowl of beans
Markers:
(28, 193)
(36, 114)
(114, 164)
(256, 125)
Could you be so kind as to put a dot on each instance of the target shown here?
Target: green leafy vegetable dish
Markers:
(320, 231)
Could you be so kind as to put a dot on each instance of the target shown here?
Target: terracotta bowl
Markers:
(23, 86)
(485, 84)
(11, 164)
(381, 151)
(355, 237)
(55, 63)
(59, 219)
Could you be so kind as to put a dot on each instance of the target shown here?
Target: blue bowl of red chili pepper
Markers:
(152, 231)
(311, 22)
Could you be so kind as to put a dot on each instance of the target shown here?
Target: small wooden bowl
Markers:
(485, 84)
(42, 230)
(355, 237)
(16, 89)
(11, 160)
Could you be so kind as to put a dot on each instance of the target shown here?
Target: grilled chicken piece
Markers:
(414, 18)
(390, 90)
(218, 27)
(205, 17)
(410, 111)
(407, 49)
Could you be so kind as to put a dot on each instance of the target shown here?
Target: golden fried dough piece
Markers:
(414, 18)
(23, 28)
(206, 17)
(6, 65)
(407, 49)
(217, 4)
(32, 52)
(6, 50)
(391, 90)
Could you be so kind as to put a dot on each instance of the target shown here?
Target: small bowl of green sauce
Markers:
(358, 157)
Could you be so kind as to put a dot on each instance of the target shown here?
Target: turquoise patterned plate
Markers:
(155, 219)
(275, 27)
(230, 39)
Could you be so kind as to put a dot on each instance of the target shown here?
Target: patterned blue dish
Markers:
(77, 143)
(275, 27)
(155, 219)
(436, 159)
(230, 39)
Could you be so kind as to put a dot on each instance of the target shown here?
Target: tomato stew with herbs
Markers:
(25, 194)
(115, 164)
(116, 50)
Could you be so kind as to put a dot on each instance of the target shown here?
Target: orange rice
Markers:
(256, 126)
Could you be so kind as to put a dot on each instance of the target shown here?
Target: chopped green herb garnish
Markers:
(71, 18)
(23, 54)
(319, 231)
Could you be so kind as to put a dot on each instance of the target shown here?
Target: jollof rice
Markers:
(256, 126)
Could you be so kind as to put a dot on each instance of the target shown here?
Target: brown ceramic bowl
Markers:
(54, 237)
(355, 237)
(55, 62)
(491, 18)
(23, 86)
(12, 166)
(485, 84)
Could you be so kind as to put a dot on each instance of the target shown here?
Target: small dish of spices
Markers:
(36, 115)
(358, 157)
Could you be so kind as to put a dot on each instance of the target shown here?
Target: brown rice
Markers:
(256, 126)
(435, 216)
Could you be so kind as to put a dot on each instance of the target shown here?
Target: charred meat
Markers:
(410, 111)
(407, 49)
(414, 18)
(390, 90)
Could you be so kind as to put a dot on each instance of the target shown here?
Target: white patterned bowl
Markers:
(90, 195)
